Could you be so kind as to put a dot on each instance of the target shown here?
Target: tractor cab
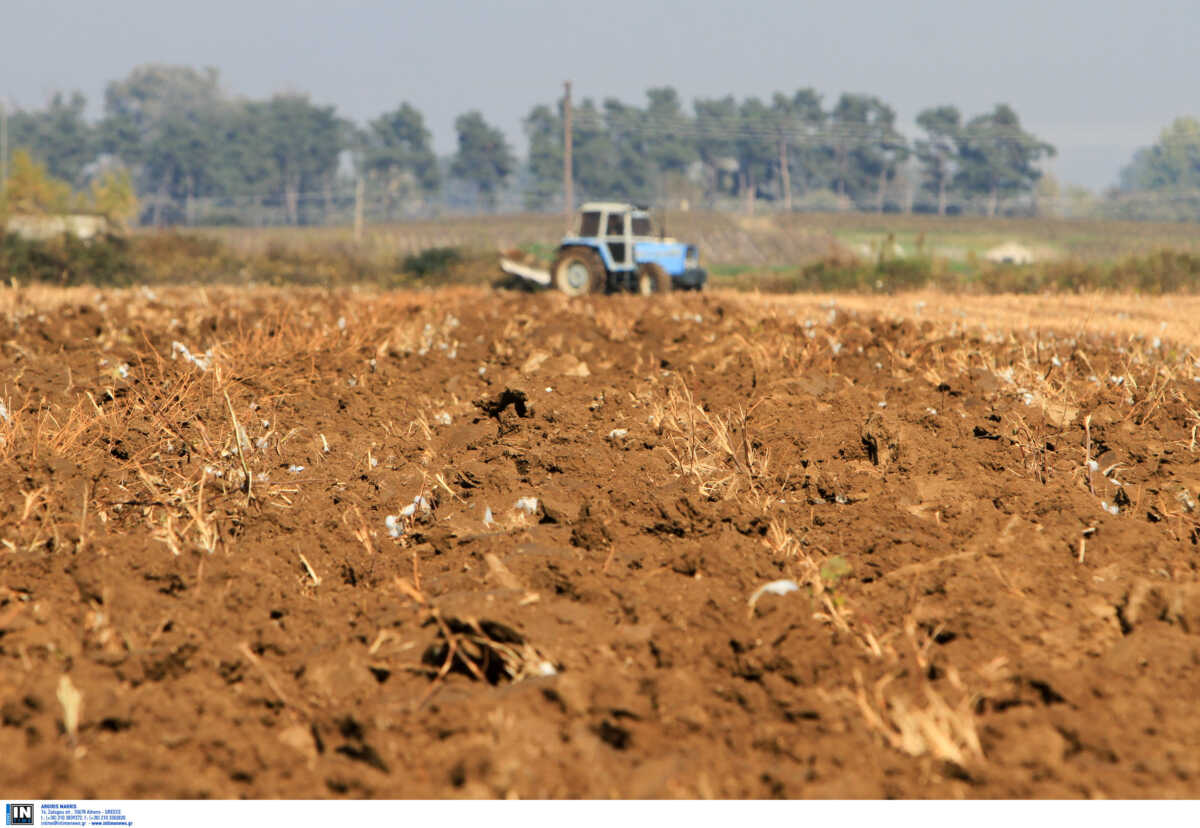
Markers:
(616, 227)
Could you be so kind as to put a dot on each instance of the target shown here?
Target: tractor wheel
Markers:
(651, 278)
(578, 271)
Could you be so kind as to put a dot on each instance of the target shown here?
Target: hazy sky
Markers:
(1098, 78)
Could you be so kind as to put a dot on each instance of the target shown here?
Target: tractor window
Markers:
(641, 226)
(616, 224)
(590, 226)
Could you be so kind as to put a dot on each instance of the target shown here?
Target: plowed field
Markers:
(292, 544)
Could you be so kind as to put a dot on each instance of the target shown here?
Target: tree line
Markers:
(196, 154)
(791, 149)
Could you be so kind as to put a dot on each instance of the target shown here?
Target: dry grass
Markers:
(714, 450)
(935, 728)
(731, 239)
(1130, 317)
(149, 406)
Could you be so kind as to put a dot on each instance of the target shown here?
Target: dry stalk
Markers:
(237, 440)
(83, 522)
(361, 533)
(441, 481)
(209, 532)
(840, 618)
(308, 568)
(946, 732)
(269, 678)
(710, 448)
(1033, 450)
(1087, 457)
(33, 499)
(421, 424)
(165, 533)
(466, 643)
(1194, 415)
(71, 701)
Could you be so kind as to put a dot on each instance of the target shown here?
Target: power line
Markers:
(344, 199)
(3, 145)
(811, 133)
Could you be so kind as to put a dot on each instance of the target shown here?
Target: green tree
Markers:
(484, 158)
(803, 160)
(246, 169)
(152, 91)
(544, 129)
(632, 169)
(670, 141)
(937, 153)
(293, 148)
(997, 158)
(31, 189)
(398, 152)
(113, 196)
(167, 124)
(891, 150)
(59, 136)
(593, 154)
(182, 161)
(1172, 164)
(757, 153)
(1162, 181)
(718, 124)
(866, 146)
(847, 133)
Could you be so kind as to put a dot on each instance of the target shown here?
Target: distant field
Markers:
(953, 237)
(732, 243)
(860, 253)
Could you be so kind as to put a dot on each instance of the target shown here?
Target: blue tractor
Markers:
(615, 250)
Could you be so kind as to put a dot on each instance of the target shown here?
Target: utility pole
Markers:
(786, 175)
(3, 146)
(568, 173)
(358, 210)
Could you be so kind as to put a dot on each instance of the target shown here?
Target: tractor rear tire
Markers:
(578, 271)
(651, 278)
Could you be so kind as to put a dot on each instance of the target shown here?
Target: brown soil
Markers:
(966, 615)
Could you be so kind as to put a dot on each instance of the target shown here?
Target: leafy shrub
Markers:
(903, 274)
(433, 261)
(1167, 271)
(105, 260)
(1011, 278)
(169, 256)
(335, 265)
(169, 243)
(219, 220)
(888, 275)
